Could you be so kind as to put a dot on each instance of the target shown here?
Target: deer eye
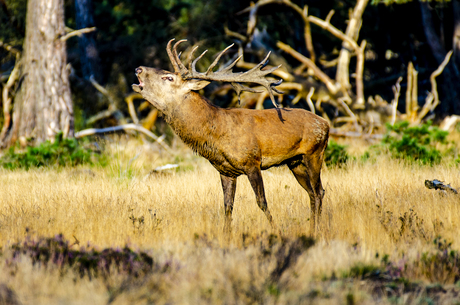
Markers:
(169, 78)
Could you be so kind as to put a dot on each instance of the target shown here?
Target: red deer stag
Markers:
(239, 141)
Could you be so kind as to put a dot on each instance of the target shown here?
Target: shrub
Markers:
(336, 154)
(61, 152)
(415, 143)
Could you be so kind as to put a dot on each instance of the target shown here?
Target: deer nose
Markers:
(138, 71)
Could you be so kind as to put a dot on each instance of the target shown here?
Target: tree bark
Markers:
(43, 105)
(89, 56)
(353, 28)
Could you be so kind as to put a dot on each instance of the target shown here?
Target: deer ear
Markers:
(196, 84)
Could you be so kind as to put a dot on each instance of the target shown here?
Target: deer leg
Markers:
(255, 178)
(301, 174)
(229, 187)
(313, 165)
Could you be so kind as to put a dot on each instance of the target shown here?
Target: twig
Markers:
(92, 131)
(77, 33)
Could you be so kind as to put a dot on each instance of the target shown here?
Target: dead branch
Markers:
(230, 33)
(394, 102)
(449, 123)
(7, 98)
(411, 94)
(101, 89)
(93, 131)
(302, 12)
(104, 115)
(309, 101)
(353, 117)
(432, 100)
(132, 112)
(352, 32)
(317, 71)
(326, 25)
(77, 33)
(359, 75)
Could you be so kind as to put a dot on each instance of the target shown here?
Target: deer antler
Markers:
(255, 75)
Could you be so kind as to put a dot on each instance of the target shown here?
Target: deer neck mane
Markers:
(195, 121)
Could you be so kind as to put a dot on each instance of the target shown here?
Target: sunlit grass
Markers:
(370, 209)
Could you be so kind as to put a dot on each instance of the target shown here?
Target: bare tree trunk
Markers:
(43, 105)
(89, 56)
(353, 28)
(449, 104)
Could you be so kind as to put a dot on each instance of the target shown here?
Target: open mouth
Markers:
(140, 87)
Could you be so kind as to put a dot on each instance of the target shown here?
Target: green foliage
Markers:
(61, 152)
(13, 21)
(415, 143)
(336, 154)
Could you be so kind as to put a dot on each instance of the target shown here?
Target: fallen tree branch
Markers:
(93, 131)
(77, 33)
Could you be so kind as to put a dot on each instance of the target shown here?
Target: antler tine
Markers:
(230, 66)
(262, 64)
(182, 68)
(190, 56)
(171, 56)
(196, 60)
(214, 63)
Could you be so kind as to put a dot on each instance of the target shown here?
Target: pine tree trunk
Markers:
(43, 106)
(89, 56)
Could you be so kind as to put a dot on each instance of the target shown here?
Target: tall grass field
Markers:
(122, 234)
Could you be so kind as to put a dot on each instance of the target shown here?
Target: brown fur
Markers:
(241, 141)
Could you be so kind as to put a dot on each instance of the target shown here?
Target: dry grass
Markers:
(370, 208)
